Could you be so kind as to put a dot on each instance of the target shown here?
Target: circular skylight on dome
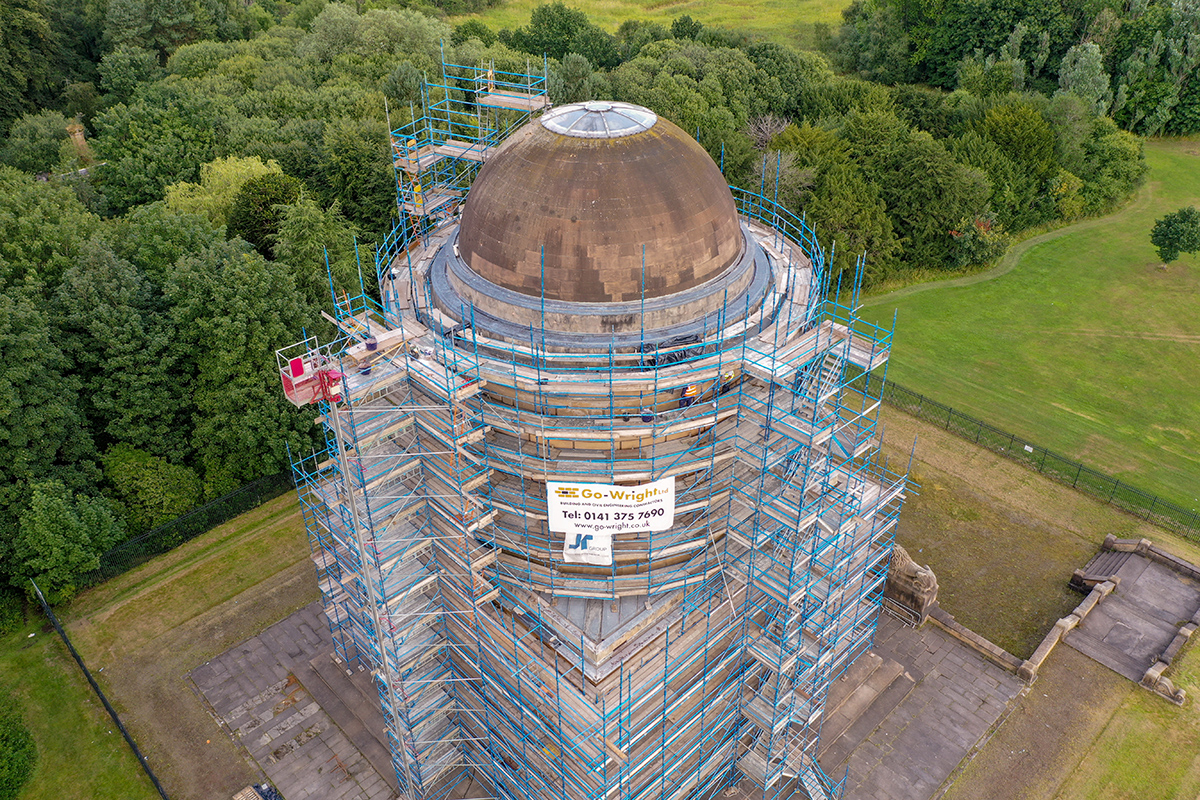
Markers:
(599, 119)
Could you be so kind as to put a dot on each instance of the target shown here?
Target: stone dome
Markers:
(598, 185)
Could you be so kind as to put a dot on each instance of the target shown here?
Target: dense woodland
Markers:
(197, 159)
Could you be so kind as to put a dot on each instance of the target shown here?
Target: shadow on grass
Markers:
(1000, 572)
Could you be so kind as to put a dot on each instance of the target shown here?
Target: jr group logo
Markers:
(582, 542)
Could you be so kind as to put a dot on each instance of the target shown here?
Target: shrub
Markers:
(255, 214)
(12, 610)
(18, 752)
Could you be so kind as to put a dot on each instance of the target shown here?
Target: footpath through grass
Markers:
(784, 21)
(1085, 346)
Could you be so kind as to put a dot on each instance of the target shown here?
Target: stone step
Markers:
(854, 676)
(356, 712)
(861, 715)
(1106, 562)
(861, 699)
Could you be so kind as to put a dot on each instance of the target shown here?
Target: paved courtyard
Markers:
(258, 692)
(1129, 629)
(957, 698)
(902, 744)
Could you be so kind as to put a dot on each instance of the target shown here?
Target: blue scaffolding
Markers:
(704, 653)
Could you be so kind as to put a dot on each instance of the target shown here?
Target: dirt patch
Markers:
(1048, 732)
(1002, 539)
(1001, 573)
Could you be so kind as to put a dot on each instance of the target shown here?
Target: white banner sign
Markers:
(590, 513)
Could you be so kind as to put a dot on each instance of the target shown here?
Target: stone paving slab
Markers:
(1130, 628)
(952, 707)
(254, 691)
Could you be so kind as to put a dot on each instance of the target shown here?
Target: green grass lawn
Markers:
(1149, 748)
(774, 20)
(1086, 346)
(80, 752)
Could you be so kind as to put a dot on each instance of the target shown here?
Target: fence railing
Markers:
(112, 712)
(1105, 488)
(140, 549)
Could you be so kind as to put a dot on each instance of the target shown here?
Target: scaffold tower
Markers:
(463, 406)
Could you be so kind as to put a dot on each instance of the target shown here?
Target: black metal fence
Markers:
(112, 712)
(202, 519)
(1138, 502)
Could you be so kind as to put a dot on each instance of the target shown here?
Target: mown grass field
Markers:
(1086, 346)
(80, 752)
(774, 20)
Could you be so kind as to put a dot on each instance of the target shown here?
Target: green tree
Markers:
(125, 68)
(152, 237)
(403, 84)
(220, 181)
(60, 538)
(989, 76)
(962, 27)
(872, 43)
(851, 216)
(159, 26)
(573, 82)
(233, 311)
(307, 236)
(256, 213)
(122, 350)
(29, 45)
(473, 29)
(43, 228)
(154, 142)
(1176, 233)
(1026, 139)
(555, 30)
(978, 241)
(838, 202)
(199, 59)
(684, 27)
(339, 31)
(81, 101)
(1114, 163)
(305, 12)
(634, 34)
(151, 490)
(927, 192)
(1082, 73)
(1013, 191)
(35, 142)
(795, 71)
(355, 170)
(42, 433)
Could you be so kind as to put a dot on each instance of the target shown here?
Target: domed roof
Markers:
(593, 184)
